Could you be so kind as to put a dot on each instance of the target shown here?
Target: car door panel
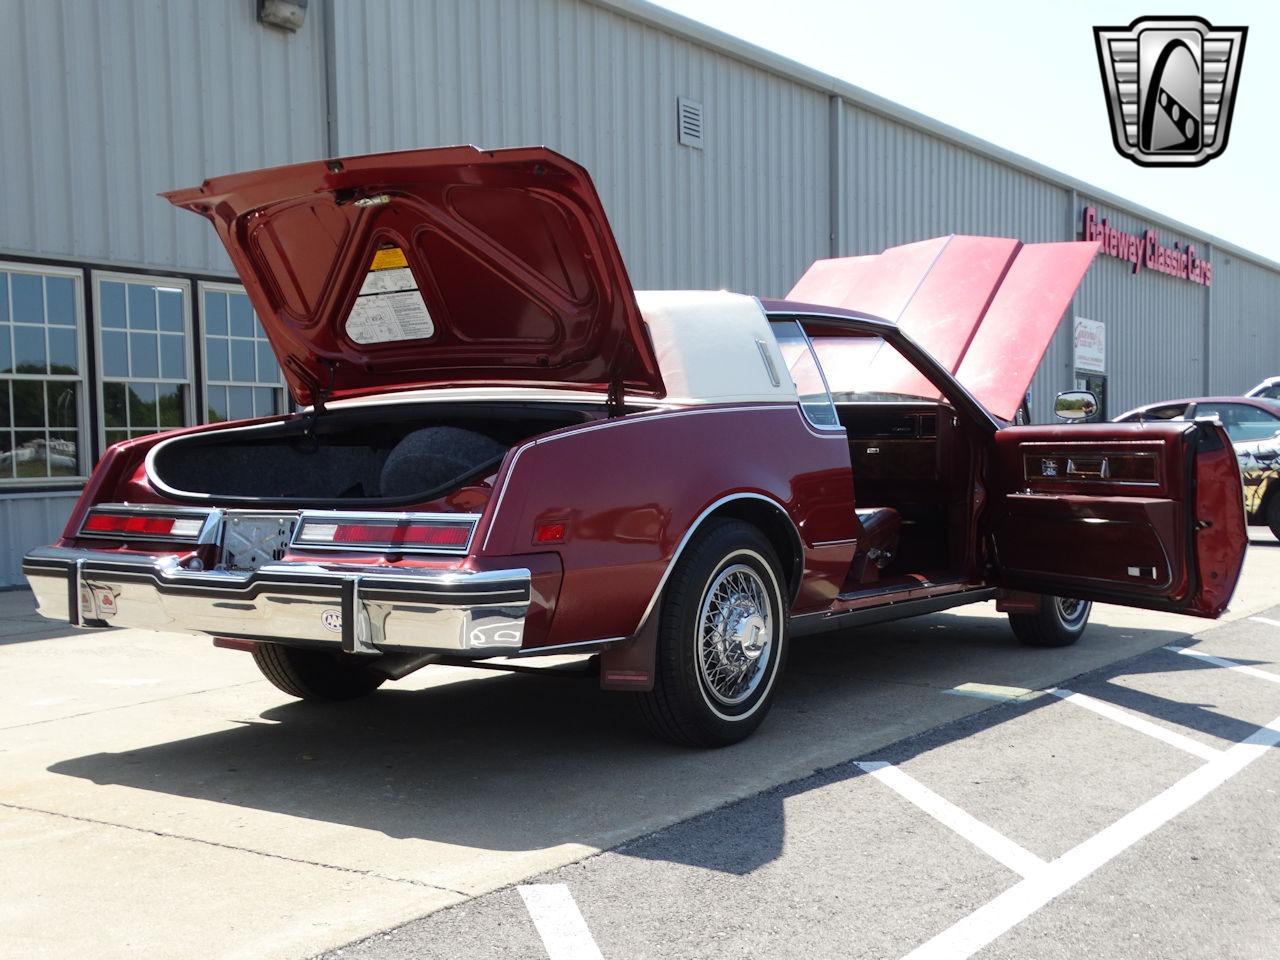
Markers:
(1145, 515)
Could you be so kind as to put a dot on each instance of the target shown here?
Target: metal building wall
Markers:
(27, 519)
(1155, 324)
(124, 100)
(1245, 327)
(748, 212)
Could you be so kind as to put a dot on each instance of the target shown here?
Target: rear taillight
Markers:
(404, 533)
(144, 523)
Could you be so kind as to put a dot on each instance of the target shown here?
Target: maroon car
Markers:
(504, 451)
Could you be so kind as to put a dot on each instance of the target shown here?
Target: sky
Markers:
(1024, 76)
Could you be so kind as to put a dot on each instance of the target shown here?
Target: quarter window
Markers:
(815, 399)
(242, 375)
(144, 354)
(42, 379)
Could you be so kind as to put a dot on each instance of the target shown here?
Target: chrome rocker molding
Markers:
(358, 609)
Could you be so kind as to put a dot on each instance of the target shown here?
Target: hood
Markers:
(454, 266)
(984, 307)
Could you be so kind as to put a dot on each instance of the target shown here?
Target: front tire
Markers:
(317, 675)
(722, 639)
(1060, 622)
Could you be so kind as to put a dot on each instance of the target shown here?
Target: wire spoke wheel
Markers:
(735, 634)
(1073, 613)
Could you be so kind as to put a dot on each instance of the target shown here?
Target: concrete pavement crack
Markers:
(229, 846)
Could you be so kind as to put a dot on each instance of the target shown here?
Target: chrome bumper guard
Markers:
(358, 609)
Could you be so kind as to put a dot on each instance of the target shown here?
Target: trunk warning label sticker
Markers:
(390, 305)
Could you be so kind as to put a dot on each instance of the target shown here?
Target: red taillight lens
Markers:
(406, 534)
(141, 525)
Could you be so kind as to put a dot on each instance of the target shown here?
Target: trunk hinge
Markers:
(615, 399)
(319, 395)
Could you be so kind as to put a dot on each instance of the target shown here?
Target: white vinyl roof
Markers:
(714, 347)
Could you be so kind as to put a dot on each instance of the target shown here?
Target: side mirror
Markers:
(1075, 405)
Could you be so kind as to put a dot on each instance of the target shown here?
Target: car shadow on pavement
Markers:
(519, 762)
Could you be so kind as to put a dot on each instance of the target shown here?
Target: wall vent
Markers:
(689, 122)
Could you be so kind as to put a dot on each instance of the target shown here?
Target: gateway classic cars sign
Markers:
(1146, 250)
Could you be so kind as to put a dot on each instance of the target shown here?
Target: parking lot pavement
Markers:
(156, 795)
(1039, 827)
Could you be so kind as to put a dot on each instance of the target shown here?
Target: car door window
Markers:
(1242, 422)
(815, 398)
(1170, 411)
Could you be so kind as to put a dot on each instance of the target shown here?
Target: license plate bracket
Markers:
(253, 538)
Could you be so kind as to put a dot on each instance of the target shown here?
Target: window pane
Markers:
(217, 404)
(28, 403)
(60, 298)
(115, 436)
(113, 406)
(28, 298)
(29, 454)
(4, 298)
(240, 403)
(170, 306)
(142, 406)
(62, 406)
(242, 323)
(172, 362)
(242, 361)
(145, 357)
(5, 420)
(215, 313)
(111, 304)
(142, 307)
(62, 350)
(268, 369)
(115, 354)
(28, 347)
(264, 402)
(170, 400)
(6, 349)
(6, 455)
(216, 358)
(64, 455)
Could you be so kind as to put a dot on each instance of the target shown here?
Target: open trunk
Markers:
(376, 456)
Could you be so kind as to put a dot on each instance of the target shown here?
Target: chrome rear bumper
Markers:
(358, 609)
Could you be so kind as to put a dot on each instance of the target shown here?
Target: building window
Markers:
(241, 373)
(144, 358)
(42, 404)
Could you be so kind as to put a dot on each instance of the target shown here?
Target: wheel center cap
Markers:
(750, 635)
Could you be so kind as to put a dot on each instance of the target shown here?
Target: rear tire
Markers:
(722, 639)
(317, 675)
(1060, 622)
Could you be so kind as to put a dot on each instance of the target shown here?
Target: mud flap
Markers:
(631, 665)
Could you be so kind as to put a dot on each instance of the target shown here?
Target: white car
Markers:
(1268, 389)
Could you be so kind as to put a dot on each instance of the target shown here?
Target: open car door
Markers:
(1145, 515)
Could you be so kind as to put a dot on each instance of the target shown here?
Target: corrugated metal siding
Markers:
(749, 211)
(1155, 326)
(29, 520)
(904, 185)
(1245, 347)
(124, 100)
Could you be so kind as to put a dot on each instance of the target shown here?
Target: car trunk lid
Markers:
(451, 266)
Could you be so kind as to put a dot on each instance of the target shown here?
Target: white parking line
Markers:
(560, 925)
(1133, 722)
(1018, 859)
(968, 936)
(1267, 620)
(1229, 664)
